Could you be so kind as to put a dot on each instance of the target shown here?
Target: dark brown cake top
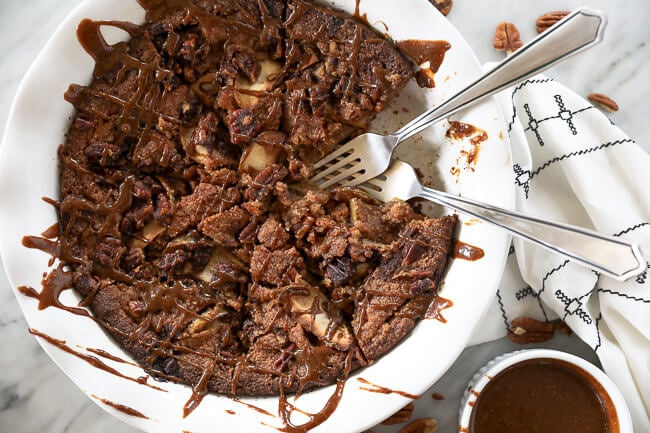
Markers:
(185, 217)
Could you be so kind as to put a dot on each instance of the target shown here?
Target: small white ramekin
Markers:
(498, 364)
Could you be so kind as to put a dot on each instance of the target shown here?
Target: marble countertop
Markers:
(35, 396)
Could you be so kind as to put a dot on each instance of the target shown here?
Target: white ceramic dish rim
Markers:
(24, 267)
(501, 362)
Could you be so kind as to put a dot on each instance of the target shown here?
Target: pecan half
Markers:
(444, 6)
(137, 309)
(524, 330)
(402, 415)
(506, 38)
(421, 425)
(603, 102)
(548, 19)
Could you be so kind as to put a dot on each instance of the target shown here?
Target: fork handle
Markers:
(578, 31)
(609, 255)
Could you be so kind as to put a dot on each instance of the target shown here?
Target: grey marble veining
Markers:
(617, 67)
(35, 396)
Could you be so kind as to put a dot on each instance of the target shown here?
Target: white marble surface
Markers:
(36, 397)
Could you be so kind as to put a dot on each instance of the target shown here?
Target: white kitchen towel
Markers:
(572, 164)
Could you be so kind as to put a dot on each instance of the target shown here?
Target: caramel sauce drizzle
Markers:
(383, 390)
(53, 284)
(466, 251)
(52, 232)
(253, 407)
(199, 391)
(435, 309)
(105, 354)
(429, 53)
(357, 3)
(314, 419)
(122, 408)
(61, 344)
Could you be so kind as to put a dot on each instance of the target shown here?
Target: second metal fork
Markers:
(368, 155)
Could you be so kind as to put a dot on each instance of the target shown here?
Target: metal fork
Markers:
(368, 155)
(609, 255)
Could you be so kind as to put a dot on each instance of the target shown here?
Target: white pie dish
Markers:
(28, 171)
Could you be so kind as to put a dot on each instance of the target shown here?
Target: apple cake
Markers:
(186, 215)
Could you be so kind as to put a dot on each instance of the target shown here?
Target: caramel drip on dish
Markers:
(44, 244)
(52, 232)
(61, 344)
(466, 251)
(357, 4)
(425, 51)
(199, 390)
(435, 309)
(314, 419)
(430, 53)
(383, 390)
(53, 284)
(122, 408)
(253, 407)
(105, 354)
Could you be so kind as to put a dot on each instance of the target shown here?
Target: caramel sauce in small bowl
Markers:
(542, 391)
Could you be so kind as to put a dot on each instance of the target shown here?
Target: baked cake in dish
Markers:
(186, 216)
